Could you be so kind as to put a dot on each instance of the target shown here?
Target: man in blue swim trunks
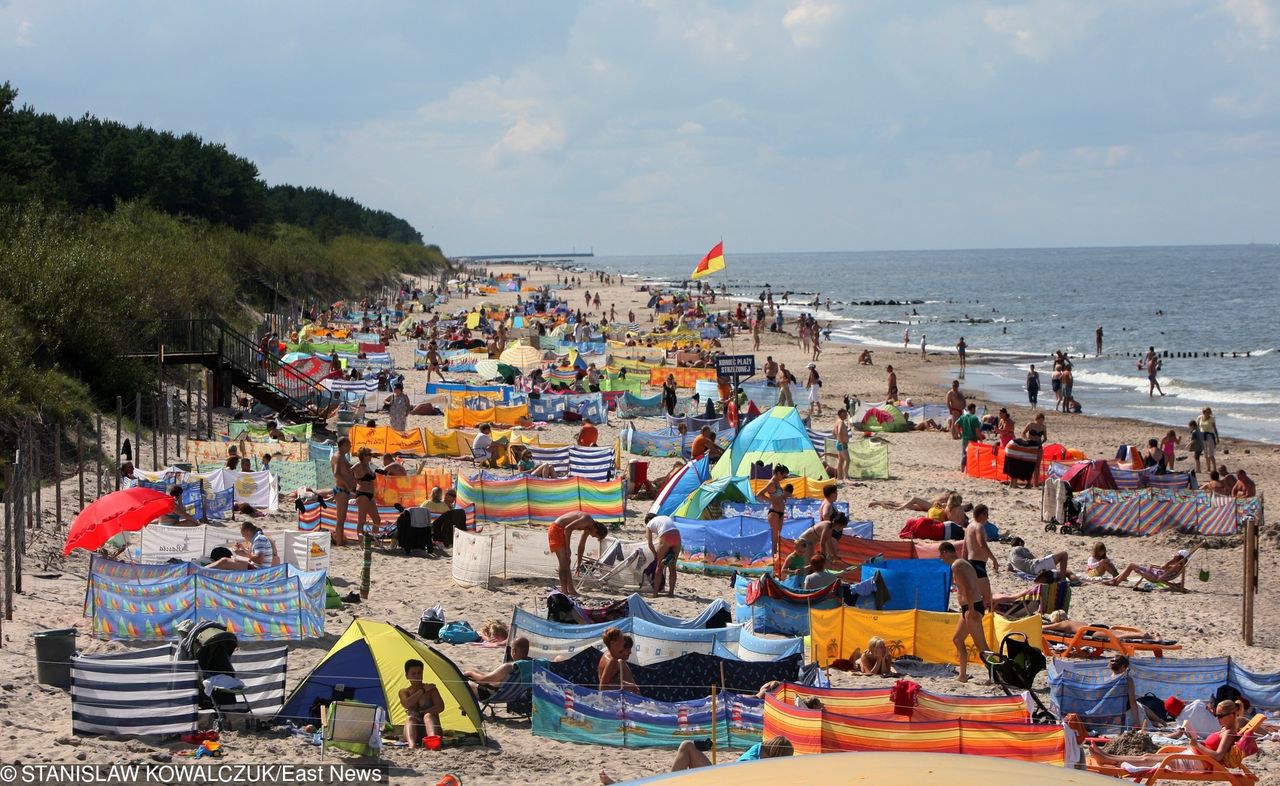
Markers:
(841, 435)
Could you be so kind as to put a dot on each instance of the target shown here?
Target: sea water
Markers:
(1015, 307)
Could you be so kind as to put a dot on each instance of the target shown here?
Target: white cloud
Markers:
(23, 38)
(1254, 17)
(524, 122)
(807, 19)
(1233, 104)
(690, 127)
(1041, 29)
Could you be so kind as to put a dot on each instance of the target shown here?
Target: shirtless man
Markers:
(1245, 487)
(892, 395)
(344, 481)
(972, 607)
(841, 435)
(771, 371)
(824, 535)
(978, 552)
(558, 537)
(955, 403)
(434, 362)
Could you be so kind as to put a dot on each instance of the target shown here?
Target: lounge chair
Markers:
(1178, 765)
(354, 727)
(613, 568)
(1094, 642)
(514, 693)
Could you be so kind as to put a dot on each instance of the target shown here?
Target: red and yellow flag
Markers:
(713, 261)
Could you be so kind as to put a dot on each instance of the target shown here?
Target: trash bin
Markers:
(54, 649)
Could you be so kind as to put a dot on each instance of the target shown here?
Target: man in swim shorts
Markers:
(558, 543)
(977, 550)
(973, 606)
(841, 435)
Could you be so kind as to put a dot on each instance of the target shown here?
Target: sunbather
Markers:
(1221, 746)
(915, 503)
(1023, 560)
(875, 659)
(1099, 563)
(1165, 573)
(689, 756)
(485, 685)
(1058, 623)
(422, 703)
(257, 551)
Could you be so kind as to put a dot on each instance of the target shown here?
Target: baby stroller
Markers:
(1014, 668)
(211, 645)
(1071, 510)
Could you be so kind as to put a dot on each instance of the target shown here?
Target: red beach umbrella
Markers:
(128, 510)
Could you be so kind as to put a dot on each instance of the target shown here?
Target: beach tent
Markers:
(884, 418)
(367, 664)
(678, 489)
(776, 437)
(731, 489)
(523, 357)
(1089, 475)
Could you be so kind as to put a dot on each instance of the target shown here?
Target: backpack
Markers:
(458, 632)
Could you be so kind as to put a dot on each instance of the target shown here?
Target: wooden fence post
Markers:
(137, 429)
(119, 425)
(9, 550)
(80, 461)
(97, 463)
(33, 443)
(155, 433)
(57, 475)
(1250, 578)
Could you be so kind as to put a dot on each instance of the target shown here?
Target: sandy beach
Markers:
(35, 723)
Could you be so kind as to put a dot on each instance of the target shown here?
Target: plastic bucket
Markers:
(54, 649)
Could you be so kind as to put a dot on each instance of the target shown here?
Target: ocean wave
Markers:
(1248, 397)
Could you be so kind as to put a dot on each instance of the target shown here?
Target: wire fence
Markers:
(53, 471)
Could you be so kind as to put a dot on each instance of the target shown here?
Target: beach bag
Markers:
(458, 632)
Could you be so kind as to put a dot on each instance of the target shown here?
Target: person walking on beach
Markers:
(669, 395)
(1097, 341)
(892, 395)
(1152, 362)
(960, 348)
(784, 387)
(1209, 434)
(955, 403)
(817, 342)
(972, 607)
(755, 334)
(813, 386)
(967, 428)
(906, 338)
(922, 346)
(1033, 386)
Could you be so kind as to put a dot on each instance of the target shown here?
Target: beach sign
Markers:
(736, 365)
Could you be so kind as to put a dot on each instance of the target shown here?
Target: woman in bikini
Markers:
(558, 544)
(344, 481)
(365, 477)
(776, 496)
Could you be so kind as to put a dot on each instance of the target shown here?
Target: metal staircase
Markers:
(235, 359)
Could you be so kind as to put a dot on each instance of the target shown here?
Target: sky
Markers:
(662, 126)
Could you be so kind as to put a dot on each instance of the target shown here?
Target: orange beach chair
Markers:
(1094, 642)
